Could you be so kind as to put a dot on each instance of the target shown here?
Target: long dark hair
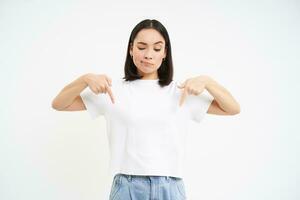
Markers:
(165, 71)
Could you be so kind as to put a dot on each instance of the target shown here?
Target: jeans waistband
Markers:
(129, 177)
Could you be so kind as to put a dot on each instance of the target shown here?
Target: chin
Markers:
(147, 70)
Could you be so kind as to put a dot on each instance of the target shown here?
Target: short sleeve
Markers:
(198, 105)
(96, 104)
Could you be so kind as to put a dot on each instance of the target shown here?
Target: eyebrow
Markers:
(146, 43)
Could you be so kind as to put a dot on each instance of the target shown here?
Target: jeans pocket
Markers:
(116, 185)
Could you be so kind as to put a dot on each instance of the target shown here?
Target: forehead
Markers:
(149, 36)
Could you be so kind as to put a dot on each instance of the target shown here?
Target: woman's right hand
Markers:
(99, 83)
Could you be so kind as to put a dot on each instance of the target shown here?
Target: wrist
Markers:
(83, 79)
(208, 82)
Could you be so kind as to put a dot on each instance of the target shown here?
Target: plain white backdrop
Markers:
(249, 47)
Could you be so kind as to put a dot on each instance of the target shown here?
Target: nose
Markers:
(148, 55)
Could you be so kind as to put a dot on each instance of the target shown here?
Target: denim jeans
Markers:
(134, 187)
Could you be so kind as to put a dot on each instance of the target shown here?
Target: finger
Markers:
(195, 92)
(102, 89)
(182, 85)
(108, 80)
(98, 89)
(95, 90)
(183, 96)
(110, 94)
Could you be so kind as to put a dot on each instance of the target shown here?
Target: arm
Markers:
(69, 95)
(223, 103)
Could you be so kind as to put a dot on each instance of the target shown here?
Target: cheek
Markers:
(137, 59)
(138, 56)
(159, 58)
(160, 55)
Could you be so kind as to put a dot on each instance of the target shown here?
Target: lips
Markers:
(147, 63)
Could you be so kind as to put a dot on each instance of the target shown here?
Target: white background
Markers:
(249, 47)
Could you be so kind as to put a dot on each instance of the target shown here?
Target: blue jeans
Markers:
(134, 187)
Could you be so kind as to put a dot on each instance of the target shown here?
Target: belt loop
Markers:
(167, 178)
(119, 177)
(129, 177)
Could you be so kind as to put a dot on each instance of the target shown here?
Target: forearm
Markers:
(67, 95)
(224, 99)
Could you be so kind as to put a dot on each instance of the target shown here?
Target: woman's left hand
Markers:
(193, 86)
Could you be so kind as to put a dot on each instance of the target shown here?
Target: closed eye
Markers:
(154, 49)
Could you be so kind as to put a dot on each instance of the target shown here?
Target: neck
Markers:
(150, 77)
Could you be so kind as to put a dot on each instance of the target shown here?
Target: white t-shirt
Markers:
(146, 127)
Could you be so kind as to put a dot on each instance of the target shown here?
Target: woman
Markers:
(147, 115)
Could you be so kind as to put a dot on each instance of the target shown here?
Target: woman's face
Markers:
(147, 52)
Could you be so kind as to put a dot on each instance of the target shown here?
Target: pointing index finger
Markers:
(110, 94)
(183, 96)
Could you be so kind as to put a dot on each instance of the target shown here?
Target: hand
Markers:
(194, 86)
(99, 84)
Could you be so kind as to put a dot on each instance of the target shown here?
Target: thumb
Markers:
(182, 85)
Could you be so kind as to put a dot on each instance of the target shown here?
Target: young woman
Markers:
(147, 115)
